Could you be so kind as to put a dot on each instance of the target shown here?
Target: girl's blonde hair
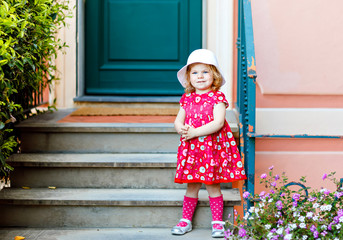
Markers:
(217, 78)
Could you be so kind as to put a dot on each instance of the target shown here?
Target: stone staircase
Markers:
(99, 175)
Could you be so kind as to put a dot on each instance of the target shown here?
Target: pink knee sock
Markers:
(188, 209)
(217, 208)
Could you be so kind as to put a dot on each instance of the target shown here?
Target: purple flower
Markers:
(272, 191)
(228, 233)
(315, 234)
(282, 194)
(330, 226)
(336, 219)
(324, 176)
(296, 196)
(271, 167)
(313, 228)
(295, 204)
(338, 194)
(277, 177)
(326, 191)
(312, 199)
(324, 233)
(242, 232)
(273, 230)
(273, 184)
(246, 195)
(262, 194)
(263, 176)
(279, 205)
(280, 222)
(340, 213)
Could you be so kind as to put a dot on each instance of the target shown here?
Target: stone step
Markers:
(68, 208)
(102, 234)
(99, 137)
(44, 133)
(143, 170)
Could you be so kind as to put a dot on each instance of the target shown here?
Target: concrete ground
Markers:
(102, 234)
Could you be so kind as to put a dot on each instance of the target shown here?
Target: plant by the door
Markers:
(28, 46)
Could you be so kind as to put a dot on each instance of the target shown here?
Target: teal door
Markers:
(135, 47)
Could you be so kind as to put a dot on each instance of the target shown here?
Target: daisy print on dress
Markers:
(215, 150)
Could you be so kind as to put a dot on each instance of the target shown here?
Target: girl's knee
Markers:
(193, 189)
(194, 186)
(214, 190)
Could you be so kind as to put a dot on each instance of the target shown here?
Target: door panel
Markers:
(135, 47)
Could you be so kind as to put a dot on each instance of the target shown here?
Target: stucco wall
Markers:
(299, 86)
(301, 44)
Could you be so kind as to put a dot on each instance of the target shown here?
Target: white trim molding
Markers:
(295, 121)
(220, 39)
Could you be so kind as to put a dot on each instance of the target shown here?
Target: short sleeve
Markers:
(183, 100)
(219, 97)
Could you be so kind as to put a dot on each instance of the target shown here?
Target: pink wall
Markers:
(298, 52)
(313, 165)
(298, 48)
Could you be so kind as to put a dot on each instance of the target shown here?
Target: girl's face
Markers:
(201, 77)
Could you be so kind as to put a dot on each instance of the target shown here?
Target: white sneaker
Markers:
(182, 230)
(218, 233)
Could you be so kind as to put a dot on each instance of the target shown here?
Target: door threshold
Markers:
(127, 99)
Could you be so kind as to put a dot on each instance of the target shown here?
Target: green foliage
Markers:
(28, 46)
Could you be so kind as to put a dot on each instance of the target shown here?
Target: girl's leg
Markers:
(216, 201)
(193, 189)
(189, 204)
(190, 201)
(217, 208)
(214, 190)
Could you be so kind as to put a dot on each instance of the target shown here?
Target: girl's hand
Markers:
(183, 129)
(189, 133)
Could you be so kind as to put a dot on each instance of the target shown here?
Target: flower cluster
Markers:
(281, 212)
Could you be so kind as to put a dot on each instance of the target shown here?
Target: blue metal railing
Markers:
(246, 92)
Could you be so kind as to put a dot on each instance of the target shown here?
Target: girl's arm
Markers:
(179, 122)
(219, 112)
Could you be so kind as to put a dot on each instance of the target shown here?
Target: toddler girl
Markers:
(207, 152)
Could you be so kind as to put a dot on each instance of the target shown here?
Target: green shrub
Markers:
(28, 46)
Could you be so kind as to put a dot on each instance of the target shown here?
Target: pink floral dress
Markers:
(208, 159)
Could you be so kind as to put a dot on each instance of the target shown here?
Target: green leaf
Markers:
(19, 65)
(29, 61)
(27, 41)
(3, 62)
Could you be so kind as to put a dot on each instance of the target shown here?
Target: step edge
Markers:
(91, 165)
(97, 127)
(232, 194)
(147, 203)
(137, 160)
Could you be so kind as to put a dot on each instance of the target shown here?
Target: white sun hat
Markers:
(198, 56)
